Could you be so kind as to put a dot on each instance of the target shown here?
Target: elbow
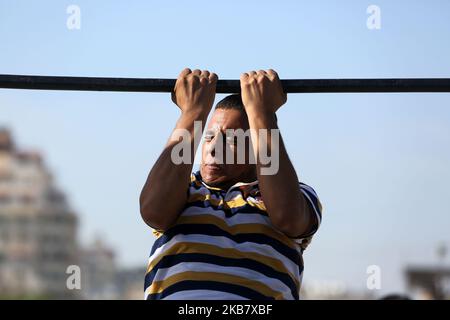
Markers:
(146, 214)
(292, 229)
(152, 215)
(293, 223)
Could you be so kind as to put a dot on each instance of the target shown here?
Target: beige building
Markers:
(37, 228)
(38, 238)
(98, 271)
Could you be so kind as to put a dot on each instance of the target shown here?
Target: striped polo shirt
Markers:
(224, 246)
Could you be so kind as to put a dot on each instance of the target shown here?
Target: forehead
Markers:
(223, 119)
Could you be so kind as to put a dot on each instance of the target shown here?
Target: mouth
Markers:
(213, 167)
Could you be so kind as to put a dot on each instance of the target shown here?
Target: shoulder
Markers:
(311, 196)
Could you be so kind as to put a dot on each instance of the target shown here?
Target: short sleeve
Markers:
(313, 201)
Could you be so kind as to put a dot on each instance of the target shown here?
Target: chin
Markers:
(212, 178)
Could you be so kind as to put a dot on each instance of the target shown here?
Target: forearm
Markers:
(285, 204)
(168, 180)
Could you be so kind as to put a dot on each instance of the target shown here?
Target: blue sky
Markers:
(379, 162)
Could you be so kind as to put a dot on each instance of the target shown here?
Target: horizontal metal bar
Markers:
(223, 86)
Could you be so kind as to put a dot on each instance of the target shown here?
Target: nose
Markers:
(212, 148)
(215, 146)
(212, 145)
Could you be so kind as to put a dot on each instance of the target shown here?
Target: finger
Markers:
(244, 77)
(197, 72)
(251, 73)
(273, 74)
(185, 72)
(262, 72)
(205, 73)
(213, 77)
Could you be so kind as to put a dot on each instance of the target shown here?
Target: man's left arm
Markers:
(287, 207)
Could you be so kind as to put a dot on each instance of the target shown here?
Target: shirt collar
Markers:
(238, 184)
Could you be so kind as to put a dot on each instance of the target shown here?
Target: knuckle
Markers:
(261, 78)
(244, 78)
(273, 73)
(214, 77)
(185, 72)
(251, 80)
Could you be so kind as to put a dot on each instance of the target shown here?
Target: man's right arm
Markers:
(165, 191)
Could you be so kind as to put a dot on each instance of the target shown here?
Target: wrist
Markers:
(198, 113)
(260, 114)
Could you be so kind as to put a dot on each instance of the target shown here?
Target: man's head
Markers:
(229, 113)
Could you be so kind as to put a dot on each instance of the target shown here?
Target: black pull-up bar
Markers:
(224, 86)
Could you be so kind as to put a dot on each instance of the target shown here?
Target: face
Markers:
(214, 167)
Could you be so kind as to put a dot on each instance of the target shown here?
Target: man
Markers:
(232, 230)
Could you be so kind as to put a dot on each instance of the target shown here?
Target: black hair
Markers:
(233, 101)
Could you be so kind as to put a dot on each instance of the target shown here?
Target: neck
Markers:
(246, 178)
